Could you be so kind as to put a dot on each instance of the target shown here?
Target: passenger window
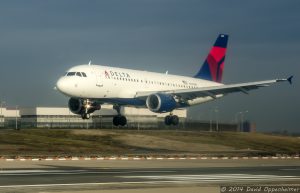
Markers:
(83, 74)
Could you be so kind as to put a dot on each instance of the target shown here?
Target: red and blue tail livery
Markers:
(212, 69)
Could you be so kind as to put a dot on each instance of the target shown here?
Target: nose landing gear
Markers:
(85, 116)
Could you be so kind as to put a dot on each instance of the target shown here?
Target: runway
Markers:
(115, 175)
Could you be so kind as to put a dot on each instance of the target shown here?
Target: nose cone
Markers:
(63, 86)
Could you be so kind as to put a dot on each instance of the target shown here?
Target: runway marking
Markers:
(183, 179)
(89, 184)
(60, 158)
(151, 179)
(217, 177)
(71, 172)
(83, 184)
(291, 169)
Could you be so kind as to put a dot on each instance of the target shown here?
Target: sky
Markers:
(40, 40)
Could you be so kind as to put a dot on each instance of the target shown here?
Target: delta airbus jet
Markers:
(89, 86)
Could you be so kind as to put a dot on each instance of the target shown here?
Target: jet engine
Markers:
(80, 106)
(160, 103)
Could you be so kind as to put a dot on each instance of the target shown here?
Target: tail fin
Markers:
(212, 69)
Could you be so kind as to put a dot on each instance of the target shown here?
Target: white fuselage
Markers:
(104, 83)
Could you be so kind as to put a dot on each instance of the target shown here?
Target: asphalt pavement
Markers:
(118, 176)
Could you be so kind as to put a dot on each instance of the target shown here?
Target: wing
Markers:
(213, 91)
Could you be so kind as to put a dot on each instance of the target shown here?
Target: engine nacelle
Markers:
(160, 103)
(75, 105)
(79, 106)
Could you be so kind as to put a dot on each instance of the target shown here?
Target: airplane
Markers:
(89, 86)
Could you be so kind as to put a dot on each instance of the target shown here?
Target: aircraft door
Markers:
(99, 80)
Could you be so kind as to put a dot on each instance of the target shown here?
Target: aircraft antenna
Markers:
(90, 62)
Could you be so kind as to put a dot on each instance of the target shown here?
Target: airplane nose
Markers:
(61, 85)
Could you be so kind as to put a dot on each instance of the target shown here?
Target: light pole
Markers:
(217, 118)
(210, 120)
(16, 117)
(2, 117)
(238, 124)
(242, 119)
(2, 103)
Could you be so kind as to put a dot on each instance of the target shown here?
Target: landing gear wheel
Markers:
(168, 120)
(85, 115)
(116, 121)
(119, 120)
(171, 120)
(175, 120)
(122, 120)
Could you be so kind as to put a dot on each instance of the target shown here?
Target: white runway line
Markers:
(73, 172)
(183, 179)
(217, 177)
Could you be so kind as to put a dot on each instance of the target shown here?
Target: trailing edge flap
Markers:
(213, 91)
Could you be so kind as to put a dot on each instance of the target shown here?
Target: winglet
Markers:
(290, 79)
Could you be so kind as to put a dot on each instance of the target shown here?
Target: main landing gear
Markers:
(119, 119)
(171, 120)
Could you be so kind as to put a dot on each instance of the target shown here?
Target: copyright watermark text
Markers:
(259, 189)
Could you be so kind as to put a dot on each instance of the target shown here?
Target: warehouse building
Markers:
(61, 117)
(10, 117)
(137, 118)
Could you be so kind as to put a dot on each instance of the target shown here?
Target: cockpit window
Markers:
(80, 74)
(71, 73)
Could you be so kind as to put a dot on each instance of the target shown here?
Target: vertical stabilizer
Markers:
(212, 69)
